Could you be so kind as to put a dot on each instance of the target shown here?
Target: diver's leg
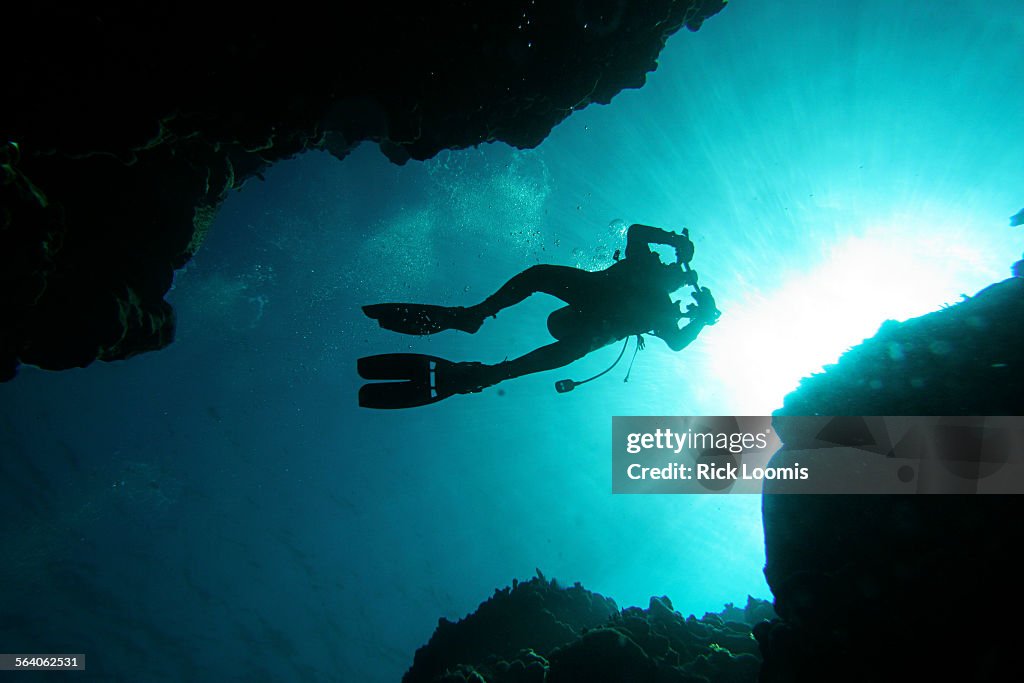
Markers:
(568, 284)
(556, 355)
(571, 285)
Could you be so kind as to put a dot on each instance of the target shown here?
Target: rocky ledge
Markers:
(902, 587)
(125, 127)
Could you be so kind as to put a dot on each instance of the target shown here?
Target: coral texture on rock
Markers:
(538, 631)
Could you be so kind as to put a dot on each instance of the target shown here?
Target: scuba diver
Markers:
(630, 297)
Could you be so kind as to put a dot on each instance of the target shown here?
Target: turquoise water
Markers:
(224, 506)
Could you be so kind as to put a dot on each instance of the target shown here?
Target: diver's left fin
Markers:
(415, 390)
(427, 379)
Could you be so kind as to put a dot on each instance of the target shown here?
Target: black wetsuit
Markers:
(626, 298)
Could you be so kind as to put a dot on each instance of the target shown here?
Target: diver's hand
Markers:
(705, 309)
(640, 343)
(683, 247)
(704, 298)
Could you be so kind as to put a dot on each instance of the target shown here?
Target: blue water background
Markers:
(222, 509)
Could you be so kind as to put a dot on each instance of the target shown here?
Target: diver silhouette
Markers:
(630, 297)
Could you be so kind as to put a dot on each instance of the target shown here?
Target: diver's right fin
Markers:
(427, 379)
(423, 318)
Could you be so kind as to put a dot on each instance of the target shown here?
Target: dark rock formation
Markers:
(538, 631)
(898, 588)
(123, 129)
(966, 359)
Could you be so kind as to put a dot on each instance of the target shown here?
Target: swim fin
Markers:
(425, 380)
(423, 318)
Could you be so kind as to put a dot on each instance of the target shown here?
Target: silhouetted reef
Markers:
(539, 631)
(965, 359)
(124, 128)
(900, 588)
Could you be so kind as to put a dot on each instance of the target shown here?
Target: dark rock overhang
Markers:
(124, 129)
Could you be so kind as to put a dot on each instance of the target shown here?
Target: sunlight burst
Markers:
(769, 340)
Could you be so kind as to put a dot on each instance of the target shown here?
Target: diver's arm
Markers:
(640, 236)
(679, 338)
(702, 313)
